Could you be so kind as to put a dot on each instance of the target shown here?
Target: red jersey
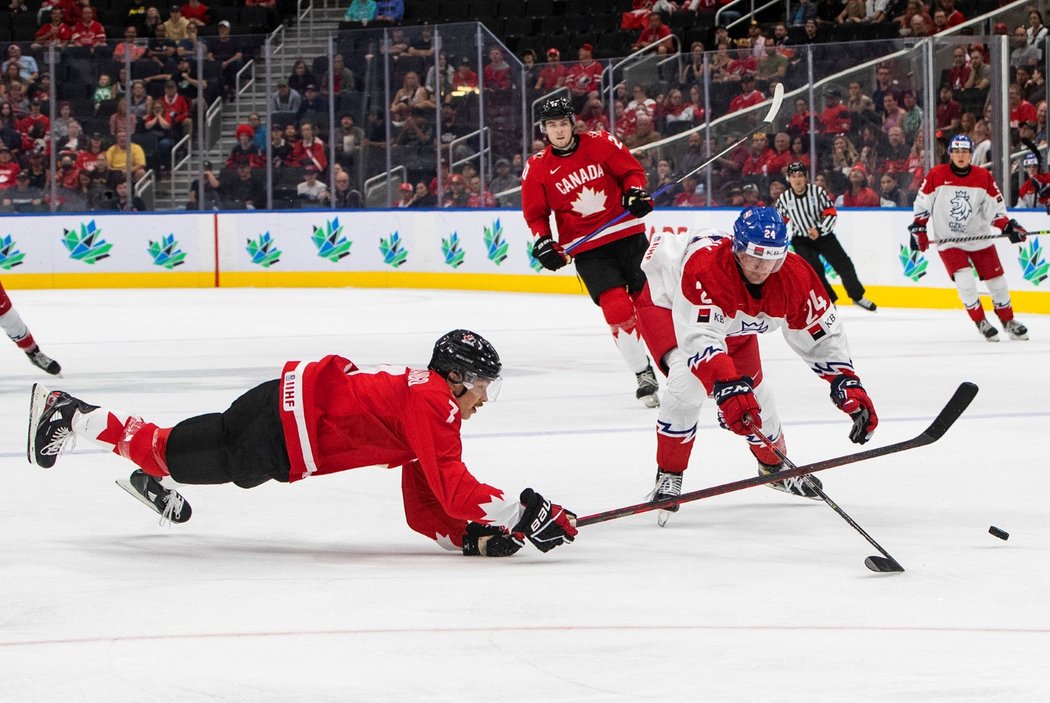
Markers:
(176, 110)
(739, 102)
(865, 197)
(304, 154)
(88, 34)
(50, 33)
(338, 417)
(583, 78)
(583, 190)
(199, 13)
(759, 164)
(552, 75)
(8, 172)
(714, 304)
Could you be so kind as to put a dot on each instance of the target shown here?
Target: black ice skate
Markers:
(795, 486)
(989, 332)
(43, 361)
(647, 388)
(167, 503)
(668, 485)
(1016, 330)
(51, 425)
(866, 304)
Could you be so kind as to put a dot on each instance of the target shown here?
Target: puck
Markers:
(996, 532)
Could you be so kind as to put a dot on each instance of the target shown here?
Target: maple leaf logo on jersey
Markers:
(961, 207)
(589, 202)
(9, 254)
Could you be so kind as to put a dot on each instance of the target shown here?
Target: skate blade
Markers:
(38, 398)
(662, 516)
(126, 485)
(784, 489)
(651, 401)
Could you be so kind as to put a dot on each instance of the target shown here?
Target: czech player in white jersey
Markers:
(712, 294)
(588, 180)
(961, 206)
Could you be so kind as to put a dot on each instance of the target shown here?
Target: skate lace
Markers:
(62, 442)
(173, 503)
(667, 484)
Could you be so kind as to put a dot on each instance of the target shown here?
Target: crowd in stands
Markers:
(867, 133)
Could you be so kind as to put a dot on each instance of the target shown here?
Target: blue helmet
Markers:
(760, 232)
(961, 142)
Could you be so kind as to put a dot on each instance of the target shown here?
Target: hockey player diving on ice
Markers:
(321, 417)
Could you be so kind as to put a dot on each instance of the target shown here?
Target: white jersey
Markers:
(663, 260)
(958, 207)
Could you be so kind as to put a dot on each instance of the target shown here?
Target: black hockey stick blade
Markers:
(955, 407)
(883, 565)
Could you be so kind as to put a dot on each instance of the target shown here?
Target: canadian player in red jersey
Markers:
(711, 295)
(962, 206)
(11, 323)
(587, 180)
(321, 417)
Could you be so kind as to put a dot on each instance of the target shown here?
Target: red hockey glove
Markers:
(490, 541)
(549, 253)
(544, 523)
(736, 399)
(1015, 232)
(850, 397)
(919, 239)
(637, 201)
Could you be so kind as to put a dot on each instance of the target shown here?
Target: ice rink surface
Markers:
(318, 591)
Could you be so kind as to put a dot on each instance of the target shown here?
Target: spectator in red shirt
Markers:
(584, 77)
(782, 155)
(859, 194)
(952, 16)
(748, 96)
(195, 13)
(757, 162)
(55, 32)
(309, 151)
(948, 111)
(88, 33)
(959, 73)
(9, 168)
(176, 108)
(835, 118)
(553, 74)
(1020, 109)
(654, 31)
(497, 72)
(689, 197)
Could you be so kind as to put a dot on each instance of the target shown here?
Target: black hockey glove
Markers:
(850, 397)
(637, 201)
(1015, 232)
(490, 541)
(549, 253)
(545, 524)
(919, 239)
(736, 401)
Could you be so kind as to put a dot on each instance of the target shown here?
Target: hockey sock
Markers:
(770, 427)
(14, 327)
(676, 425)
(1001, 298)
(618, 309)
(765, 454)
(141, 442)
(966, 284)
(657, 328)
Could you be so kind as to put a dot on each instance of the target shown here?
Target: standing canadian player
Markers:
(11, 323)
(587, 180)
(961, 206)
(321, 417)
(712, 295)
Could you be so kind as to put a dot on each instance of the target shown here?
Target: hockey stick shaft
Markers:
(892, 564)
(767, 123)
(980, 238)
(958, 403)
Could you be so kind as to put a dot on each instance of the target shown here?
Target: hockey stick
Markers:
(958, 403)
(883, 564)
(982, 237)
(767, 124)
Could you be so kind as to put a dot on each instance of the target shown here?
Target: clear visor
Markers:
(484, 386)
(762, 263)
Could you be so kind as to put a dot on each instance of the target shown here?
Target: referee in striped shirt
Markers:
(811, 215)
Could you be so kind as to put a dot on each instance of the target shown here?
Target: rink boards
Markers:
(457, 249)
